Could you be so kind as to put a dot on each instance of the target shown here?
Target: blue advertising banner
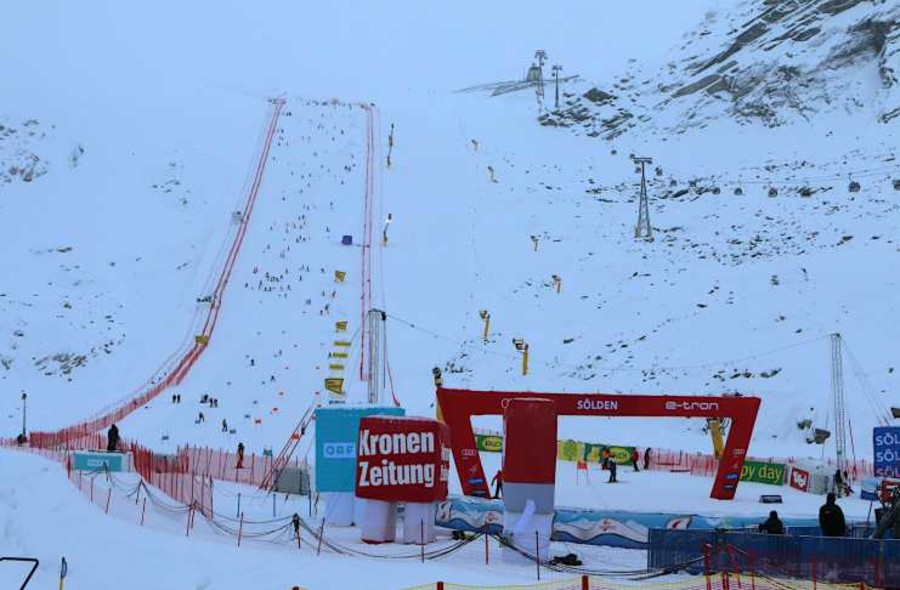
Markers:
(614, 528)
(887, 451)
(94, 461)
(336, 432)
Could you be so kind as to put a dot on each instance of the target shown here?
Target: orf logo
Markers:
(339, 450)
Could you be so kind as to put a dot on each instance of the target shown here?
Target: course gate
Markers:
(457, 407)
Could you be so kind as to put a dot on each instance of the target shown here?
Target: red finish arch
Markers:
(459, 405)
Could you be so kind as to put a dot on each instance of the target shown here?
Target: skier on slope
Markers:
(498, 483)
(240, 456)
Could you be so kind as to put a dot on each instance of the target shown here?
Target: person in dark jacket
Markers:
(112, 439)
(647, 459)
(240, 456)
(772, 525)
(831, 518)
(612, 471)
(635, 457)
(498, 483)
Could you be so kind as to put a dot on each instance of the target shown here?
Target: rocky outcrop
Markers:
(794, 57)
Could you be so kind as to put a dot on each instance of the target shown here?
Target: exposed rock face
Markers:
(795, 57)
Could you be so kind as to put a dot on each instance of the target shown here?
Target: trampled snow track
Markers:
(164, 378)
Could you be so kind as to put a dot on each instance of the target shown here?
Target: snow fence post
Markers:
(422, 537)
(108, 498)
(487, 546)
(238, 513)
(537, 554)
(241, 529)
(143, 511)
(321, 533)
(707, 564)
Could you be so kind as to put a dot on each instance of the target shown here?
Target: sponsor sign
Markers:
(759, 472)
(336, 432)
(489, 443)
(886, 445)
(90, 461)
(799, 479)
(571, 450)
(402, 459)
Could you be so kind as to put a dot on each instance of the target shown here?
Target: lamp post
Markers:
(24, 409)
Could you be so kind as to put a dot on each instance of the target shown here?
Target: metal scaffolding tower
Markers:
(837, 390)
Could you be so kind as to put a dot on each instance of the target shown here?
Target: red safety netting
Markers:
(179, 364)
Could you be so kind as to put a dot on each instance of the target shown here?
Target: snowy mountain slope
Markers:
(773, 62)
(699, 310)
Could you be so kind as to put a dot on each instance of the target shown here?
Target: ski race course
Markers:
(460, 297)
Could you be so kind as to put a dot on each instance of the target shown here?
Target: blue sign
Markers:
(887, 451)
(91, 461)
(336, 432)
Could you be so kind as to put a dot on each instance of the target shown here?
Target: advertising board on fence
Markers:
(571, 450)
(887, 451)
(92, 461)
(489, 443)
(760, 472)
(402, 459)
(336, 433)
(799, 479)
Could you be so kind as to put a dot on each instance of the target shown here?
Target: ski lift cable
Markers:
(620, 368)
(881, 412)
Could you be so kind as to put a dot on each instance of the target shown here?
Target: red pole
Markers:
(440, 586)
(143, 510)
(108, 498)
(240, 529)
(814, 568)
(707, 565)
(585, 583)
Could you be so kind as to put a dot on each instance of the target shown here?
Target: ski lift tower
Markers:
(541, 56)
(643, 230)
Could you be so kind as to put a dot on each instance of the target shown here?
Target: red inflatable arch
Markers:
(459, 405)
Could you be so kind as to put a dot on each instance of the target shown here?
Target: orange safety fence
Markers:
(173, 372)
